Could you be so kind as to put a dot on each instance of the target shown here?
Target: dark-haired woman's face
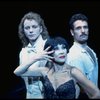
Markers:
(60, 53)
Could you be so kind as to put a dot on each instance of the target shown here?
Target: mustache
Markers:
(83, 34)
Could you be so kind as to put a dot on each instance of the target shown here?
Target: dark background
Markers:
(56, 15)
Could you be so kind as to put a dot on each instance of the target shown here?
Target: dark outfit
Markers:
(64, 91)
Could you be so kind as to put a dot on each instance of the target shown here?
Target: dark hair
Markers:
(37, 18)
(54, 42)
(76, 17)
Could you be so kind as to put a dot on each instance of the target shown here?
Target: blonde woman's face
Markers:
(32, 29)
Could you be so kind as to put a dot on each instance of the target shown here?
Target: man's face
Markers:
(32, 29)
(80, 31)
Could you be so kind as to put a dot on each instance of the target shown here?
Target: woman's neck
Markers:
(58, 67)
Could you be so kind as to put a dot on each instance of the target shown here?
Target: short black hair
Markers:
(76, 17)
(54, 42)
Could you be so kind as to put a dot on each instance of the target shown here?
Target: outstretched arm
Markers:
(37, 71)
(21, 69)
(91, 90)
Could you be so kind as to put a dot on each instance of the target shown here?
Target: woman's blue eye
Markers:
(34, 26)
(63, 46)
(27, 27)
(55, 48)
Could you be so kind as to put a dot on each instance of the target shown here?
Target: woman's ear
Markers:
(41, 29)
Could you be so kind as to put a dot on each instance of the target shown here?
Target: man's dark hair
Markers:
(76, 17)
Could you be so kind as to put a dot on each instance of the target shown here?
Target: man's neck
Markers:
(81, 44)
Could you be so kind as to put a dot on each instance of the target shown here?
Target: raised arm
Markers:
(36, 71)
(91, 90)
(22, 68)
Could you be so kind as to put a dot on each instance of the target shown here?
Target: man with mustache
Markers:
(80, 54)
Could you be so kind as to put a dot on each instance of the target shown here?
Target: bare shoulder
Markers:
(77, 74)
(74, 71)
